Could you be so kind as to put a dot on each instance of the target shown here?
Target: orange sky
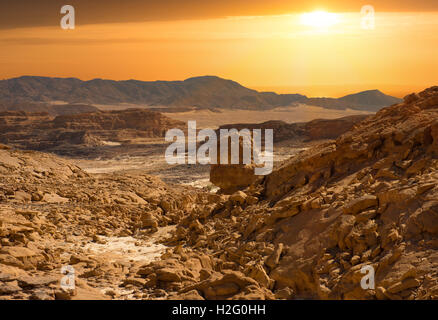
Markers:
(270, 52)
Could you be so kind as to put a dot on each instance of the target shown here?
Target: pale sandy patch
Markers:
(301, 113)
(129, 248)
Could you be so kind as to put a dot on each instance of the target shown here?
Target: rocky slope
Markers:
(305, 231)
(201, 92)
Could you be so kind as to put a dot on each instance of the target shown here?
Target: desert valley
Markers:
(88, 187)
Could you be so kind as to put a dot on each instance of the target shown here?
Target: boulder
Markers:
(360, 204)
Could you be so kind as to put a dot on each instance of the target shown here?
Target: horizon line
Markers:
(219, 77)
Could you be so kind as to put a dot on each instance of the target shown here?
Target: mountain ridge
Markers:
(201, 92)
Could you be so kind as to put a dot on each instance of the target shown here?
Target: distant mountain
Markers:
(371, 100)
(201, 92)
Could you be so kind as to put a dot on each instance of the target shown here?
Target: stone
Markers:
(191, 295)
(360, 204)
(273, 260)
(22, 196)
(138, 282)
(62, 294)
(148, 220)
(37, 196)
(367, 198)
(231, 178)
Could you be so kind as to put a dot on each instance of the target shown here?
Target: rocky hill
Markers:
(306, 230)
(51, 211)
(371, 100)
(201, 92)
(234, 177)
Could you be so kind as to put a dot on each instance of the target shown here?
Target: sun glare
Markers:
(319, 19)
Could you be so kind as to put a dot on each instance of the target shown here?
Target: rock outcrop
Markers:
(43, 132)
(318, 129)
(230, 178)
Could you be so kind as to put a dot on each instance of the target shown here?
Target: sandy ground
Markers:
(301, 113)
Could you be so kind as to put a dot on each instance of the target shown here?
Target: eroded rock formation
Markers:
(41, 131)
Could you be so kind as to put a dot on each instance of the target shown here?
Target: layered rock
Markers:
(366, 200)
(41, 131)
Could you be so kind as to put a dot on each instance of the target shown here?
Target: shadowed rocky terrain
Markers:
(53, 110)
(367, 198)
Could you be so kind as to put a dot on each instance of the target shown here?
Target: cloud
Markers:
(31, 13)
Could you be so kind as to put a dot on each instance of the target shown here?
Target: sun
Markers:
(319, 19)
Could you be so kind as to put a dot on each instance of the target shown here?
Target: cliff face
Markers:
(41, 131)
